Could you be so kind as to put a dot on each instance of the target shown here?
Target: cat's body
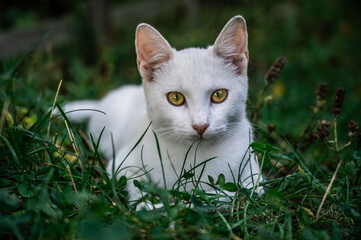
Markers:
(194, 99)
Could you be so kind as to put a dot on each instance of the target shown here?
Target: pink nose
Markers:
(200, 128)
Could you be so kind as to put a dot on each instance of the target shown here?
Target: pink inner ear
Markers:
(152, 50)
(232, 42)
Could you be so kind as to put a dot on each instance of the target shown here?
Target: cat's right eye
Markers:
(176, 98)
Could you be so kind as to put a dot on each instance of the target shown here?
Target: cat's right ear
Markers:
(152, 50)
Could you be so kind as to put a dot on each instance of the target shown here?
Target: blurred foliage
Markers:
(20, 13)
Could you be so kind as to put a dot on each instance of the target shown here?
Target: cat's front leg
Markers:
(251, 176)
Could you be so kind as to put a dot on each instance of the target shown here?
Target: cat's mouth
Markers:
(198, 137)
(195, 138)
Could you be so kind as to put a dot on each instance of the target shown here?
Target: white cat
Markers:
(189, 96)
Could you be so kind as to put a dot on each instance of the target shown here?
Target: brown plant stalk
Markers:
(272, 74)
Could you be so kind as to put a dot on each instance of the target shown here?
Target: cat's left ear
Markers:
(152, 50)
(232, 43)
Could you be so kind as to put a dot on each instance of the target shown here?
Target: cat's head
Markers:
(195, 93)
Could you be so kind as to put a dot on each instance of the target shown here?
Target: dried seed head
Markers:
(353, 128)
(321, 93)
(323, 129)
(271, 127)
(275, 70)
(338, 102)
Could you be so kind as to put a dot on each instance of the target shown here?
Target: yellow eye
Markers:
(176, 98)
(219, 95)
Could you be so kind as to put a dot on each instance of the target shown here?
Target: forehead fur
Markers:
(197, 67)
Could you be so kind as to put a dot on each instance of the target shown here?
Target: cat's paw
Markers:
(260, 191)
(148, 206)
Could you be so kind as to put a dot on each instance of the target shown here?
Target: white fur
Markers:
(196, 73)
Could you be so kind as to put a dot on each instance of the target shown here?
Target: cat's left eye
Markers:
(219, 95)
(176, 98)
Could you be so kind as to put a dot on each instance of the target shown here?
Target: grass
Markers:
(53, 186)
